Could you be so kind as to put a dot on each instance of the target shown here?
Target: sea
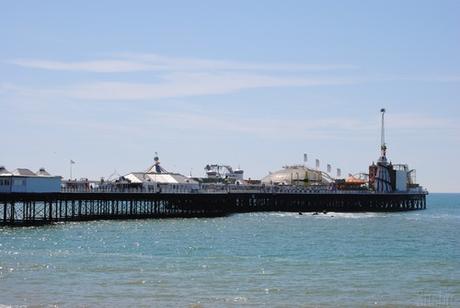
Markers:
(273, 259)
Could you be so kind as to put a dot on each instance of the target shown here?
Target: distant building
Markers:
(296, 175)
(216, 173)
(24, 180)
(156, 178)
(385, 177)
(81, 185)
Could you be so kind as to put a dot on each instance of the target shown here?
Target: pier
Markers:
(28, 209)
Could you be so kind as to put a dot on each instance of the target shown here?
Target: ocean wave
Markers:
(359, 215)
(328, 215)
(423, 216)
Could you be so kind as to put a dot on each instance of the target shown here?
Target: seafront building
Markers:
(298, 175)
(218, 173)
(23, 180)
(156, 179)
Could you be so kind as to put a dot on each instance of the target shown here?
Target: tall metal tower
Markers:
(382, 183)
(383, 146)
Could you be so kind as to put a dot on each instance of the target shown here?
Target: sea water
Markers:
(275, 259)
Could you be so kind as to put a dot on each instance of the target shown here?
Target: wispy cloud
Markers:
(155, 62)
(408, 121)
(437, 78)
(8, 87)
(302, 129)
(308, 128)
(298, 128)
(182, 85)
(100, 66)
(178, 77)
(184, 77)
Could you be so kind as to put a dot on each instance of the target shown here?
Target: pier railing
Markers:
(215, 188)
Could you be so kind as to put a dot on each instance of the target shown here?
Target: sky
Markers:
(252, 84)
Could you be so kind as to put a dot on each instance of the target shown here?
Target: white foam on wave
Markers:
(284, 214)
(419, 216)
(349, 215)
(328, 215)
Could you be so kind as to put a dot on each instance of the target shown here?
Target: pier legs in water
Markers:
(31, 209)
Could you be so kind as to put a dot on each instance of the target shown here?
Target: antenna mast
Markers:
(383, 146)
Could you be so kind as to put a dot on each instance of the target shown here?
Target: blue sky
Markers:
(247, 83)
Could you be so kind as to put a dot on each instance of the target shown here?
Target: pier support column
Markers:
(5, 207)
(12, 212)
(51, 211)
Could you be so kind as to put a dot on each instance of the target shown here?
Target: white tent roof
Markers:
(162, 178)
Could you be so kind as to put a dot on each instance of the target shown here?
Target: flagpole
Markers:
(71, 163)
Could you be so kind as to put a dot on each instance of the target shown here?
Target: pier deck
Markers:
(25, 209)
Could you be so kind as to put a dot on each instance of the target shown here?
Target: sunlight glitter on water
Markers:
(275, 259)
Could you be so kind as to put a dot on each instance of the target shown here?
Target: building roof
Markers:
(3, 171)
(157, 174)
(42, 172)
(23, 172)
(291, 174)
(161, 178)
(156, 168)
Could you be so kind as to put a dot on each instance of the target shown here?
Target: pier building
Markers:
(223, 173)
(25, 181)
(386, 177)
(156, 179)
(298, 175)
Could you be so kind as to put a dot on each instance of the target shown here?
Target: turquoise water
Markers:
(275, 259)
